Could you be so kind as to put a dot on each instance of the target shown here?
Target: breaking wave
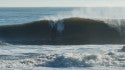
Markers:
(72, 30)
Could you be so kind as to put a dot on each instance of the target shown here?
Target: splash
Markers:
(58, 25)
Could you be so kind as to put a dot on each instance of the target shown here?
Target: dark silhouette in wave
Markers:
(67, 31)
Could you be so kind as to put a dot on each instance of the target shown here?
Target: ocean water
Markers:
(10, 16)
(61, 57)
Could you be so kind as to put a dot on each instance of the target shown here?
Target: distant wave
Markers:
(72, 30)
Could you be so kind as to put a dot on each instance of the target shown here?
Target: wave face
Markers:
(66, 31)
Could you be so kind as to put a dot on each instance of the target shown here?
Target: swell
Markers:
(65, 32)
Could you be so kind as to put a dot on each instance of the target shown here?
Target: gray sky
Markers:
(60, 3)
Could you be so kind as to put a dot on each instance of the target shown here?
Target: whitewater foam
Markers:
(3, 43)
(62, 56)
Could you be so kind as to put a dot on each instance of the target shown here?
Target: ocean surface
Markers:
(10, 16)
(18, 15)
(61, 57)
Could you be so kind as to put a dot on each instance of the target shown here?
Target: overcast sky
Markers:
(60, 3)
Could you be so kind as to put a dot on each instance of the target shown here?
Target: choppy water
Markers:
(64, 57)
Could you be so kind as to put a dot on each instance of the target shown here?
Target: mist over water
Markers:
(113, 16)
(92, 13)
